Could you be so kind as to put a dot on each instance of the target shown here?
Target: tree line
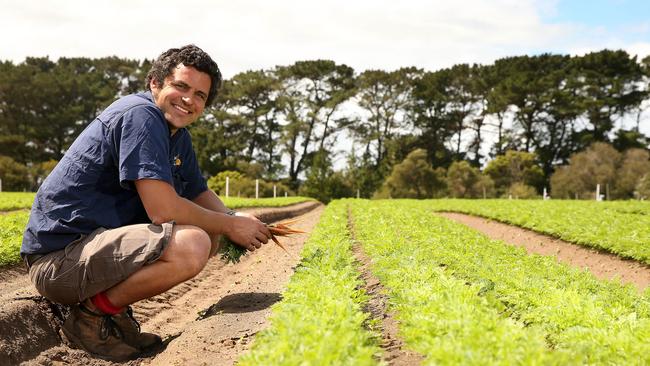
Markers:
(283, 124)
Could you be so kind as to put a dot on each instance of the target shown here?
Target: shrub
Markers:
(15, 176)
(514, 167)
(466, 181)
(414, 178)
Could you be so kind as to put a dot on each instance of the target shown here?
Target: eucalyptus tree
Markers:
(464, 104)
(499, 103)
(312, 92)
(483, 81)
(386, 97)
(552, 135)
(252, 100)
(430, 117)
(530, 87)
(14, 92)
(46, 104)
(610, 84)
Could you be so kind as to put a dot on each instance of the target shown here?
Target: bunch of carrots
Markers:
(232, 253)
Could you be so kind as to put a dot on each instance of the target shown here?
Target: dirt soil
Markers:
(603, 265)
(394, 351)
(209, 320)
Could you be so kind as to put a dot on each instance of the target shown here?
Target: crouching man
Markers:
(126, 214)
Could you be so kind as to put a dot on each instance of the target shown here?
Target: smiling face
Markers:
(182, 96)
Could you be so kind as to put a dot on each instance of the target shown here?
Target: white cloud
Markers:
(251, 34)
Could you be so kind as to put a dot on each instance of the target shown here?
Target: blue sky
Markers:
(615, 15)
(612, 23)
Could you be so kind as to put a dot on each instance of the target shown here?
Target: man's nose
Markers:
(187, 100)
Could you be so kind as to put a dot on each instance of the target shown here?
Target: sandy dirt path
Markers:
(209, 320)
(603, 265)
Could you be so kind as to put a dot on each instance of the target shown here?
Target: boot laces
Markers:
(109, 327)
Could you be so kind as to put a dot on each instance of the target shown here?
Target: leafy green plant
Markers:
(320, 320)
(11, 234)
(229, 251)
(462, 298)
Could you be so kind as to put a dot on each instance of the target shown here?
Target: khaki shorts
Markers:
(98, 261)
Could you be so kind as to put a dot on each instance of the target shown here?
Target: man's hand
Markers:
(248, 231)
(246, 214)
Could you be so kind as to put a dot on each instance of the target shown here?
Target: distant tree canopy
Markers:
(618, 174)
(287, 123)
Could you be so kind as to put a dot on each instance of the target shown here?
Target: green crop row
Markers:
(16, 200)
(12, 226)
(320, 319)
(622, 227)
(462, 298)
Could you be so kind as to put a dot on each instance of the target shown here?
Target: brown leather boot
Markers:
(98, 334)
(132, 334)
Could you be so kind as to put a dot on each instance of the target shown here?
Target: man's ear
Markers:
(153, 84)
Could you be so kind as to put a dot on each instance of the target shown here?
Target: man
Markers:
(126, 214)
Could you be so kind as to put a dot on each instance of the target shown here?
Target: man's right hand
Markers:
(248, 232)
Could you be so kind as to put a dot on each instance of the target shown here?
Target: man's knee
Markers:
(190, 247)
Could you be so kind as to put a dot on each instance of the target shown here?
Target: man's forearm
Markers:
(163, 204)
(209, 200)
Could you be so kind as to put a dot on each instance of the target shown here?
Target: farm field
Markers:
(456, 296)
(619, 227)
(462, 298)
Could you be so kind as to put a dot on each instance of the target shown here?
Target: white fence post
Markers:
(545, 195)
(358, 194)
(257, 188)
(285, 193)
(274, 191)
(0, 184)
(227, 186)
(598, 198)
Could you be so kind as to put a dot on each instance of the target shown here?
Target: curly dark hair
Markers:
(189, 55)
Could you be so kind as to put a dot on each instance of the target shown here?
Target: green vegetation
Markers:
(11, 236)
(620, 227)
(320, 319)
(464, 299)
(16, 200)
(459, 297)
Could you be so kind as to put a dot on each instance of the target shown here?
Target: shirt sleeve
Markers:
(143, 139)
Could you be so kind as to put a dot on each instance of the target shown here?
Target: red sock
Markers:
(104, 305)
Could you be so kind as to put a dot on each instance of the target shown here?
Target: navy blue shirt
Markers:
(92, 186)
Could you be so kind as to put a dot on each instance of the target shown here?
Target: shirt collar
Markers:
(148, 95)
